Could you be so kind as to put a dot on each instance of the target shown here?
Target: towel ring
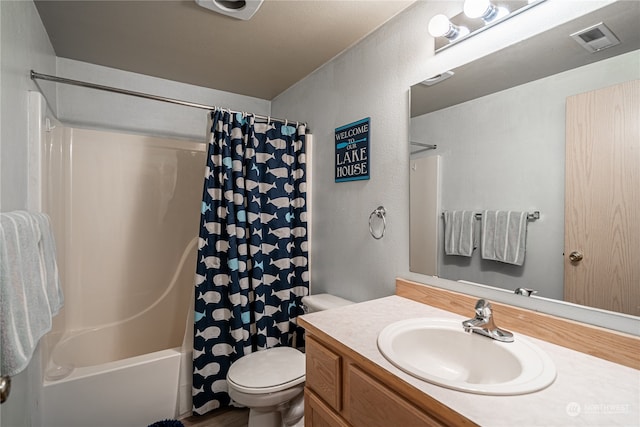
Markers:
(380, 212)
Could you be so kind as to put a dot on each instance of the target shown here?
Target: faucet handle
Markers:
(483, 309)
(525, 291)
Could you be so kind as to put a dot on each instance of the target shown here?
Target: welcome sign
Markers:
(352, 151)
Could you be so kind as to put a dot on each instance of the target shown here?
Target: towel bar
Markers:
(531, 216)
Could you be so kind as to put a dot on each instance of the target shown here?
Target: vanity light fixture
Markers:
(477, 16)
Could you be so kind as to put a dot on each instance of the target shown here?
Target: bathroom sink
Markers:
(441, 352)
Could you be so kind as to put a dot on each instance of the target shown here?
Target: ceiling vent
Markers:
(596, 38)
(239, 9)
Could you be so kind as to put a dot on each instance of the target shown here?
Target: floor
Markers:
(224, 417)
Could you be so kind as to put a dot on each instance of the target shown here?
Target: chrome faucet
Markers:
(483, 323)
(525, 291)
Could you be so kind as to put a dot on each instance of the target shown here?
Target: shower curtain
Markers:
(252, 259)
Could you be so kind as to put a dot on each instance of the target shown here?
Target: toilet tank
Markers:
(319, 302)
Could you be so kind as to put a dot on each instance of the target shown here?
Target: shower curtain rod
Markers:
(56, 79)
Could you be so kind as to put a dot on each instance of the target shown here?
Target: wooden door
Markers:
(602, 199)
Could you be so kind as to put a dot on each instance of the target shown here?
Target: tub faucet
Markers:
(483, 323)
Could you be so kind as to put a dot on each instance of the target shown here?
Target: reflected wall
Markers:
(506, 151)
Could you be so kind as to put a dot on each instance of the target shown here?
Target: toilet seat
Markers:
(268, 371)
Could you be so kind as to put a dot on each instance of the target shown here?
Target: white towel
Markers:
(29, 286)
(459, 233)
(504, 235)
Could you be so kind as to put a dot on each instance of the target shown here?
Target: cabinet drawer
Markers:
(323, 373)
(371, 404)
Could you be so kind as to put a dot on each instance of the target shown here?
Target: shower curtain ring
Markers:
(380, 212)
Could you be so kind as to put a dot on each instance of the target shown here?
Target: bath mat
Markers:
(167, 423)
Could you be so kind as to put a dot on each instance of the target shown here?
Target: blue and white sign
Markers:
(352, 151)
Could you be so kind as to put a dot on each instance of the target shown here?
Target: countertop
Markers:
(587, 391)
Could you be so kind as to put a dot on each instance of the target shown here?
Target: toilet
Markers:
(271, 382)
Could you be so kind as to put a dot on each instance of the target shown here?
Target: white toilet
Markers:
(271, 382)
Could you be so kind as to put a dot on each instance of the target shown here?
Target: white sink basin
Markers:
(441, 352)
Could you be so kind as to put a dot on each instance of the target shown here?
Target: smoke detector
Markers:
(239, 9)
(596, 37)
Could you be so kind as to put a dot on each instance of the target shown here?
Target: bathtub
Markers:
(132, 392)
(122, 374)
(126, 227)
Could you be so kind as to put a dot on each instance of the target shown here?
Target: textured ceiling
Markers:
(179, 40)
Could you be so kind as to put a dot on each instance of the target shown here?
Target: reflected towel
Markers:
(29, 286)
(504, 235)
(459, 233)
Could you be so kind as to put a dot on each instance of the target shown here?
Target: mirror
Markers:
(498, 127)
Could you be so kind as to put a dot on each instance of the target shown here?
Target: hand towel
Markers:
(459, 233)
(504, 235)
(29, 286)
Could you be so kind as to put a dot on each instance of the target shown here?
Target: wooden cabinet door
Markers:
(318, 414)
(371, 404)
(602, 199)
(323, 373)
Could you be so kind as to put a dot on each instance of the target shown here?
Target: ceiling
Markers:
(178, 40)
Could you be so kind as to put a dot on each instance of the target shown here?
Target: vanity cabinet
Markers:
(343, 389)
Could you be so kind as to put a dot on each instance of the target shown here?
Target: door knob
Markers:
(5, 388)
(575, 256)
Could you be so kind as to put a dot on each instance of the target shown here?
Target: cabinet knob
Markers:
(575, 256)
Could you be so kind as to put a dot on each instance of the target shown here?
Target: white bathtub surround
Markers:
(183, 404)
(132, 392)
(588, 391)
(123, 207)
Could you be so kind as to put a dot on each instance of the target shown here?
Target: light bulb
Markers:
(440, 26)
(476, 8)
(483, 9)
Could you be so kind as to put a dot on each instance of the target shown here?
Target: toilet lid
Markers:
(267, 371)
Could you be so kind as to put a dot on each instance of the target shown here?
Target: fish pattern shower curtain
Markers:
(252, 269)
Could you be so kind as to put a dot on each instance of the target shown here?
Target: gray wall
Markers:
(506, 151)
(372, 79)
(24, 44)
(82, 107)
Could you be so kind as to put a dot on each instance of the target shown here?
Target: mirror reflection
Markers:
(507, 130)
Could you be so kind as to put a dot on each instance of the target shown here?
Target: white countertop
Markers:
(588, 391)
